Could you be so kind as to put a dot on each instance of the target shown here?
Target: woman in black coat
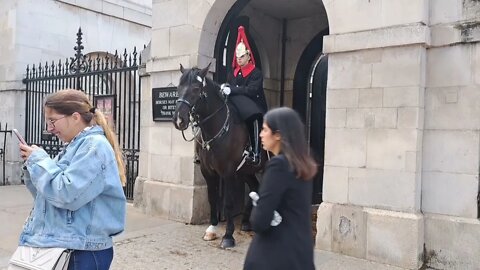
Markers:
(287, 189)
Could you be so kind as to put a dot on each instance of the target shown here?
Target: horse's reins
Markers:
(195, 122)
(223, 130)
(181, 100)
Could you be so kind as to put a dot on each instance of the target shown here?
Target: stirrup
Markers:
(253, 159)
(244, 159)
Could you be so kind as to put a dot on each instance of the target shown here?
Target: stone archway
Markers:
(279, 54)
(185, 32)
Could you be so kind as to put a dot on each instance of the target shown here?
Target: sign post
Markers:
(164, 101)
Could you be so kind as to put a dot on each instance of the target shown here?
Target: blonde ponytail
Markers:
(112, 139)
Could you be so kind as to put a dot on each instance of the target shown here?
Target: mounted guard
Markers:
(245, 90)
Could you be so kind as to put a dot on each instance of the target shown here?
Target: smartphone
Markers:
(19, 136)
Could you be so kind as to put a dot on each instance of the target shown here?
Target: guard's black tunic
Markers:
(250, 86)
(290, 244)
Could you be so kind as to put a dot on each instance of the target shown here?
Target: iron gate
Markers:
(112, 83)
(3, 146)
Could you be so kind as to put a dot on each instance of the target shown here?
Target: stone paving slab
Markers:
(155, 243)
(178, 246)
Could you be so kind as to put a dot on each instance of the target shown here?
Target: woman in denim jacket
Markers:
(79, 201)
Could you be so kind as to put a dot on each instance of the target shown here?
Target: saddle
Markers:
(245, 107)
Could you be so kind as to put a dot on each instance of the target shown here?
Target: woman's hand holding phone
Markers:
(25, 149)
(19, 136)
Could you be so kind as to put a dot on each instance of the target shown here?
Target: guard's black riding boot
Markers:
(254, 156)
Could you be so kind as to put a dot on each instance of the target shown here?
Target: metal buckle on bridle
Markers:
(202, 80)
(203, 94)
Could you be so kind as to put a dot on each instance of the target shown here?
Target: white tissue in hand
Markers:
(254, 197)
(277, 218)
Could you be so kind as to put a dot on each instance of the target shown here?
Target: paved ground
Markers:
(155, 243)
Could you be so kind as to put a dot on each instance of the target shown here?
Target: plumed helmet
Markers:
(241, 49)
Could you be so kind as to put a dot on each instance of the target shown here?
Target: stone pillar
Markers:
(450, 184)
(166, 184)
(12, 92)
(169, 184)
(374, 131)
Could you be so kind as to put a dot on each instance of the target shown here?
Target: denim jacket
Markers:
(79, 201)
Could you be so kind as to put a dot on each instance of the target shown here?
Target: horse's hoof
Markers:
(227, 243)
(246, 227)
(209, 236)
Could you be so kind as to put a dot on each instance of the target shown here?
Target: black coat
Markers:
(290, 244)
(250, 87)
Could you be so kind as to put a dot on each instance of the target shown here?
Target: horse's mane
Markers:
(216, 87)
(191, 75)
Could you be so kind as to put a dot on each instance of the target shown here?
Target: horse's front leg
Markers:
(228, 241)
(213, 192)
(252, 183)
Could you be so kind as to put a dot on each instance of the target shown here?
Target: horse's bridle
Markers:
(197, 123)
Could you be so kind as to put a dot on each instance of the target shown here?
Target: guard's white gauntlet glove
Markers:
(276, 216)
(225, 89)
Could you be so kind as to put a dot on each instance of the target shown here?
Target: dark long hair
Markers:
(288, 124)
(69, 101)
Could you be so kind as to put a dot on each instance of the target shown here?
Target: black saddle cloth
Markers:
(245, 107)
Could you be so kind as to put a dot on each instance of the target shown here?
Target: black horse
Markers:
(220, 142)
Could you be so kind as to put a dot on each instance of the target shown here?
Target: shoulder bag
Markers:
(40, 258)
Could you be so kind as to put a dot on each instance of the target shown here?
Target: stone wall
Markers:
(402, 128)
(44, 31)
(169, 184)
(450, 184)
(185, 32)
(374, 131)
(402, 136)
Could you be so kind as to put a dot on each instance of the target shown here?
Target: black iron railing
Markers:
(110, 80)
(3, 135)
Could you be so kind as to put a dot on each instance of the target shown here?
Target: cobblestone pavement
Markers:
(178, 246)
(156, 243)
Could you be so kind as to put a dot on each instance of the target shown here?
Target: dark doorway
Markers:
(309, 100)
(303, 72)
(316, 122)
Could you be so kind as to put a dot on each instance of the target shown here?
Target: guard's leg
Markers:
(254, 132)
(257, 124)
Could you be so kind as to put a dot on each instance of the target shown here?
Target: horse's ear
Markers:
(182, 69)
(204, 71)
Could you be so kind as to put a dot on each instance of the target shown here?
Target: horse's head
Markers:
(190, 90)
